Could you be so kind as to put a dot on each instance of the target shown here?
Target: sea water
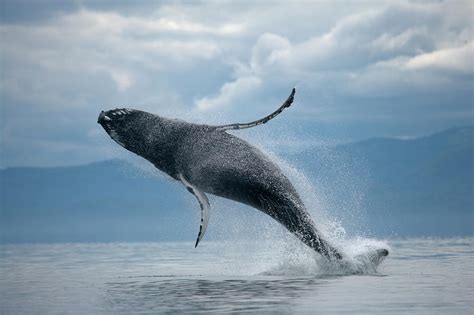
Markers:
(425, 276)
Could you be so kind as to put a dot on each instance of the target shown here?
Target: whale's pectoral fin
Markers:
(286, 104)
(203, 202)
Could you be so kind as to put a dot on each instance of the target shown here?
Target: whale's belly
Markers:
(227, 166)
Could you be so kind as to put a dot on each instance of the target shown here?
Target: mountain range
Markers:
(377, 187)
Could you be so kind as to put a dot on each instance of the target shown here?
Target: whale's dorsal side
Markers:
(203, 202)
(265, 119)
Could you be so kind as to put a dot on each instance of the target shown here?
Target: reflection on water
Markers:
(202, 295)
(420, 276)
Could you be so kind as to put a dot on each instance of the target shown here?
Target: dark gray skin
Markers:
(218, 163)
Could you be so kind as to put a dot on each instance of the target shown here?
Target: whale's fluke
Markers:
(235, 126)
(203, 202)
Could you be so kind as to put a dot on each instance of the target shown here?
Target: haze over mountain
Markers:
(383, 187)
(422, 186)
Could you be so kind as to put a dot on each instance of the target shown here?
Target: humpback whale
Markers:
(208, 159)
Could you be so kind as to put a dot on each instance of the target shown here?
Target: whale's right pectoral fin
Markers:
(203, 202)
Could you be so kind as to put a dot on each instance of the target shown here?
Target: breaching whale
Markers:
(207, 159)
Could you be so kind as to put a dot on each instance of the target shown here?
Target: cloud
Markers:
(122, 79)
(230, 92)
(100, 22)
(389, 48)
(76, 64)
(378, 65)
(458, 59)
(269, 49)
(88, 41)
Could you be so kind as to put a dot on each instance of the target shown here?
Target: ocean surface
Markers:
(424, 276)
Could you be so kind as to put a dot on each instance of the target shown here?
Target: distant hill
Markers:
(388, 187)
(104, 201)
(421, 186)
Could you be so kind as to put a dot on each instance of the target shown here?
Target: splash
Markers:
(359, 252)
(360, 259)
(284, 255)
(297, 258)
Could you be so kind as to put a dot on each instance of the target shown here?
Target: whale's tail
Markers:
(312, 238)
(295, 218)
(309, 235)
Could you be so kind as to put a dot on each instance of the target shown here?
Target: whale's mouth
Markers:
(118, 114)
(113, 121)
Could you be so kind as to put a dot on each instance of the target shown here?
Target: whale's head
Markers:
(127, 127)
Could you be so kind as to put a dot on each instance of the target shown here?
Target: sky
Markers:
(361, 69)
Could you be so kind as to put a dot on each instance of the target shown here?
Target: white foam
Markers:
(293, 258)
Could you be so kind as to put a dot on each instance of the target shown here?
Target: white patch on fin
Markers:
(203, 202)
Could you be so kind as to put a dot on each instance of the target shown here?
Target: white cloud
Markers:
(454, 59)
(115, 23)
(215, 55)
(367, 53)
(397, 42)
(85, 43)
(229, 93)
(268, 50)
(122, 79)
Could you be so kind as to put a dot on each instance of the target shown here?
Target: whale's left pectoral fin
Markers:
(264, 120)
(203, 202)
